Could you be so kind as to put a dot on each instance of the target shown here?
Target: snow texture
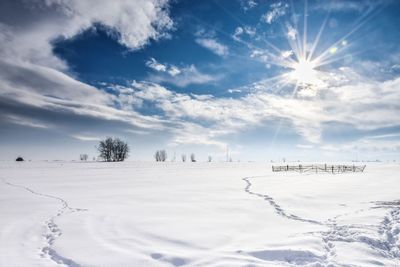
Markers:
(196, 214)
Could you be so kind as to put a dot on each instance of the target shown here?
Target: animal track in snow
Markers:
(52, 229)
(386, 244)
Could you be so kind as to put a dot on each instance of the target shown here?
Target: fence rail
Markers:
(319, 168)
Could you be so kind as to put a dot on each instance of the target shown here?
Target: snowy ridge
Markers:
(53, 231)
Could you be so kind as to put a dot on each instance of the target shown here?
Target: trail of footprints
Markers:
(386, 244)
(52, 229)
(276, 206)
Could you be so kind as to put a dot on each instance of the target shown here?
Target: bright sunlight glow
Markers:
(304, 72)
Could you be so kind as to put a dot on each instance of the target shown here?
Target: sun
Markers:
(304, 73)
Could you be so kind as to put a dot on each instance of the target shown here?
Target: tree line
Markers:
(114, 150)
(161, 156)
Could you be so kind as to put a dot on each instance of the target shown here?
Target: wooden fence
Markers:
(319, 168)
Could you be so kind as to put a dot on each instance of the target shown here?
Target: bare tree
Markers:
(83, 157)
(192, 157)
(183, 157)
(105, 149)
(160, 155)
(113, 149)
(120, 150)
(209, 158)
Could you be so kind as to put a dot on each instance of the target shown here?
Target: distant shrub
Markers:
(160, 155)
(19, 159)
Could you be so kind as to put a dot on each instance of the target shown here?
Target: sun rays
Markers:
(306, 63)
(306, 67)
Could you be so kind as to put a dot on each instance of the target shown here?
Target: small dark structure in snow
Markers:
(19, 159)
(319, 168)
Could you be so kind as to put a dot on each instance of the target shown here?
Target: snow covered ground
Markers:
(196, 214)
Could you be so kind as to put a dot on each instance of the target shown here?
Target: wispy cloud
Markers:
(213, 45)
(276, 10)
(184, 76)
(239, 31)
(347, 5)
(86, 137)
(26, 121)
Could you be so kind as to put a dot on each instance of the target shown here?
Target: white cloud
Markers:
(155, 65)
(173, 71)
(25, 121)
(168, 68)
(259, 55)
(248, 4)
(185, 76)
(348, 5)
(353, 104)
(33, 76)
(239, 31)
(213, 45)
(86, 137)
(276, 10)
(28, 37)
(287, 53)
(291, 33)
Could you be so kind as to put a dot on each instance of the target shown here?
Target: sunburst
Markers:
(302, 66)
(304, 72)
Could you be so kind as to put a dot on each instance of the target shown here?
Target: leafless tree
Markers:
(105, 149)
(120, 150)
(160, 155)
(183, 157)
(113, 149)
(192, 157)
(209, 158)
(83, 157)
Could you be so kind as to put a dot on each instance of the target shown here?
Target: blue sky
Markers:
(266, 80)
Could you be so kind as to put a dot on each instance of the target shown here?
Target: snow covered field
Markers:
(196, 214)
